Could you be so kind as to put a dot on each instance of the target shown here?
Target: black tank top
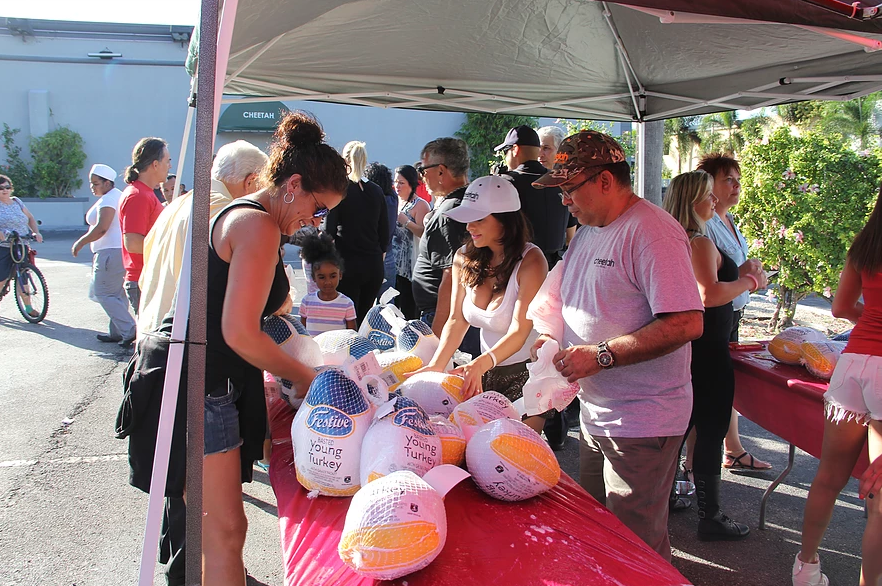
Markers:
(718, 320)
(222, 362)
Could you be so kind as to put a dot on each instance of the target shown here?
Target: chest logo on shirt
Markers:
(604, 262)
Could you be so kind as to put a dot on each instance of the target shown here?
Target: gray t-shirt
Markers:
(616, 280)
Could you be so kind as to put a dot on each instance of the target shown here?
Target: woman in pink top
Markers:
(853, 404)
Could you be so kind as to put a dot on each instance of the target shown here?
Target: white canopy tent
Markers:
(560, 58)
(642, 60)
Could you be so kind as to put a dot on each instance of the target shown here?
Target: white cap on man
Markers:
(494, 194)
(103, 171)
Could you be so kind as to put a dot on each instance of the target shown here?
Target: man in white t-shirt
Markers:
(105, 239)
(628, 306)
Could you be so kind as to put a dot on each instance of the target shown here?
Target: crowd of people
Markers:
(643, 302)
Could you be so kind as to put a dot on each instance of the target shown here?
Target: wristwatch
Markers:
(605, 357)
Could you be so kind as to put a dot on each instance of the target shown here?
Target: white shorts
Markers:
(855, 391)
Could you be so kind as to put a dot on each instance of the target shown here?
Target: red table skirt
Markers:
(561, 538)
(786, 400)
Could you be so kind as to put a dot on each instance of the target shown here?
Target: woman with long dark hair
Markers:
(691, 200)
(853, 406)
(412, 210)
(360, 229)
(495, 276)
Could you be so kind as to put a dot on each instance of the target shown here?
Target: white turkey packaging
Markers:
(377, 328)
(400, 438)
(418, 339)
(436, 392)
(511, 462)
(327, 434)
(481, 409)
(397, 524)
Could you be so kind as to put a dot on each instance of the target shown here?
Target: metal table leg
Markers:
(774, 485)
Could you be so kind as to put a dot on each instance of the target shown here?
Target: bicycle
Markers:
(27, 279)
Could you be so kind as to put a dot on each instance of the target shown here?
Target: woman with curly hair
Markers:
(495, 276)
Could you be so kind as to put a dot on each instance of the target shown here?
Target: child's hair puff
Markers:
(318, 249)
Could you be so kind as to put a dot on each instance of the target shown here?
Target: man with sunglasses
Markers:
(444, 168)
(624, 312)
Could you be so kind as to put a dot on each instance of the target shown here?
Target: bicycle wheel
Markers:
(29, 280)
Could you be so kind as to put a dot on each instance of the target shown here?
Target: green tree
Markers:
(854, 119)
(753, 129)
(58, 158)
(721, 132)
(682, 133)
(802, 114)
(803, 200)
(482, 132)
(16, 168)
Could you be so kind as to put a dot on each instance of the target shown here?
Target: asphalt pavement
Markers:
(69, 517)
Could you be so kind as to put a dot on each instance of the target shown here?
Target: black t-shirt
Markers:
(543, 207)
(360, 223)
(440, 241)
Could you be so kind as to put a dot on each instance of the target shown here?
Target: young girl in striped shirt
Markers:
(326, 309)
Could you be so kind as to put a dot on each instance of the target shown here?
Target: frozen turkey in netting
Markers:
(338, 346)
(436, 392)
(453, 443)
(511, 462)
(290, 335)
(481, 409)
(327, 434)
(397, 364)
(400, 438)
(376, 326)
(394, 526)
(417, 338)
(786, 347)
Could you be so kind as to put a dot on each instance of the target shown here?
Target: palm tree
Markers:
(855, 119)
(685, 132)
(722, 133)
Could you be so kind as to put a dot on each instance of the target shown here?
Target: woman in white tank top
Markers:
(495, 277)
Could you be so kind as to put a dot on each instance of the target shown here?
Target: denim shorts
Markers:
(222, 422)
(855, 390)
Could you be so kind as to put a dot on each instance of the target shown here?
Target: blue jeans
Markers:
(222, 422)
(389, 272)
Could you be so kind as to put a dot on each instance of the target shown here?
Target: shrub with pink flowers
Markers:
(803, 199)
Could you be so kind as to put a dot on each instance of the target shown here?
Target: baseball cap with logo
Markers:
(580, 153)
(494, 194)
(522, 135)
(103, 171)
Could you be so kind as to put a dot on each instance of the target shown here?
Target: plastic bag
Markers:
(820, 358)
(786, 347)
(547, 388)
(545, 309)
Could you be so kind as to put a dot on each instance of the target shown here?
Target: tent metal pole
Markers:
(208, 27)
(182, 156)
(855, 11)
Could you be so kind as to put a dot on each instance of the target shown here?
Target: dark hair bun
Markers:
(317, 249)
(299, 129)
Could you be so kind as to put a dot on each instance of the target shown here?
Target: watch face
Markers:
(605, 359)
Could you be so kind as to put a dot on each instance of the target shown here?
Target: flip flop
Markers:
(736, 463)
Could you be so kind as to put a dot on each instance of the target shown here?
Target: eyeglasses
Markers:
(5, 187)
(320, 210)
(422, 170)
(568, 192)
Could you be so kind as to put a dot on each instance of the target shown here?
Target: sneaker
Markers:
(805, 574)
(107, 338)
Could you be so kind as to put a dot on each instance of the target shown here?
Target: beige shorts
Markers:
(855, 391)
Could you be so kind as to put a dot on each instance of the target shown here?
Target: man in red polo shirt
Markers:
(138, 210)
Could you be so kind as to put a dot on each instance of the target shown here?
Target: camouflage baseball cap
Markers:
(580, 152)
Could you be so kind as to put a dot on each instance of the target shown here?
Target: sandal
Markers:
(737, 463)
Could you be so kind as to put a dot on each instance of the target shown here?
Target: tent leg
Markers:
(182, 156)
(650, 143)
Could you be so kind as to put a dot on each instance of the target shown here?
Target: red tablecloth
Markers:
(561, 538)
(784, 399)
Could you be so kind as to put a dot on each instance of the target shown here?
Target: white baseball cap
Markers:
(494, 194)
(103, 171)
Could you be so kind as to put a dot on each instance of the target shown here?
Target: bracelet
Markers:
(755, 282)
(492, 357)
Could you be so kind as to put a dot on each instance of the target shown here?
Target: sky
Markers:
(183, 12)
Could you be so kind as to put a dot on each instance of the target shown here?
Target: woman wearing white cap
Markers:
(495, 276)
(105, 240)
